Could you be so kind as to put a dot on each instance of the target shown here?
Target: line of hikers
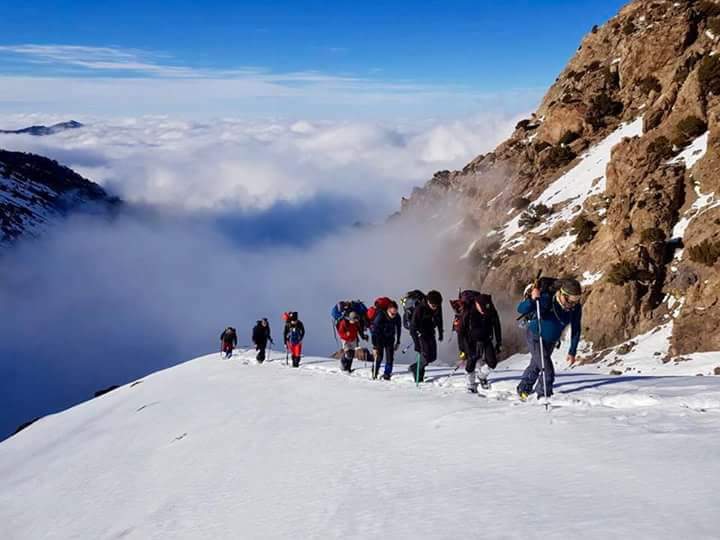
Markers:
(549, 307)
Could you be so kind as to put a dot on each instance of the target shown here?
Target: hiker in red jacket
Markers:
(349, 331)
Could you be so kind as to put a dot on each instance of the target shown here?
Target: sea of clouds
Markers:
(226, 221)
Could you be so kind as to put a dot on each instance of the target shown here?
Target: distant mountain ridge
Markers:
(35, 191)
(40, 131)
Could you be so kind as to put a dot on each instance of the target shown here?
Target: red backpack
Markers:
(382, 303)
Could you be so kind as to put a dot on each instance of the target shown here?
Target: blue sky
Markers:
(412, 57)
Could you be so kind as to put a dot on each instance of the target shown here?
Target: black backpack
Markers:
(409, 303)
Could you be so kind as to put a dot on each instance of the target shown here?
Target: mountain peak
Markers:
(611, 177)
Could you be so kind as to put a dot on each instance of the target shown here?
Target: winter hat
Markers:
(571, 287)
(434, 298)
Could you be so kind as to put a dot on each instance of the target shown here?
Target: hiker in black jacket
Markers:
(228, 341)
(260, 337)
(386, 331)
(426, 318)
(479, 340)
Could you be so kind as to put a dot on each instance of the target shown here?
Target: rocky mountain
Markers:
(613, 180)
(35, 191)
(40, 131)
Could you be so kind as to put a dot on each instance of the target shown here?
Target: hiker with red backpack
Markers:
(228, 341)
(426, 318)
(349, 329)
(293, 336)
(479, 336)
(386, 328)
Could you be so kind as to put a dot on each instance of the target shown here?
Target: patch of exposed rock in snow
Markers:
(584, 180)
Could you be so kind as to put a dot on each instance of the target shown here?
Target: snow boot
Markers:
(296, 361)
(522, 394)
(387, 377)
(485, 384)
(471, 383)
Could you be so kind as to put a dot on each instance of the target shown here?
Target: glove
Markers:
(440, 338)
(498, 348)
(461, 355)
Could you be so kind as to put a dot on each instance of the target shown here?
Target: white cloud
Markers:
(110, 80)
(252, 165)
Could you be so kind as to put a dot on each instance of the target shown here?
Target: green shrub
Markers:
(652, 235)
(714, 25)
(688, 129)
(520, 203)
(569, 137)
(709, 75)
(533, 216)
(602, 106)
(661, 148)
(706, 252)
(649, 84)
(584, 229)
(621, 273)
(628, 28)
(558, 156)
(707, 8)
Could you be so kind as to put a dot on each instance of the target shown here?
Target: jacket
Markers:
(425, 320)
(386, 331)
(261, 334)
(296, 332)
(476, 327)
(554, 320)
(347, 330)
(229, 336)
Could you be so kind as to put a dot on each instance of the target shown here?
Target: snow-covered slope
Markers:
(35, 191)
(228, 449)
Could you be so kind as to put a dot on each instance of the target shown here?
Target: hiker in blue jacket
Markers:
(557, 311)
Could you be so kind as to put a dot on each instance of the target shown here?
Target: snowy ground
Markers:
(227, 449)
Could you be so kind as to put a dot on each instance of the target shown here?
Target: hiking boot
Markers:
(472, 389)
(522, 394)
(387, 377)
(485, 384)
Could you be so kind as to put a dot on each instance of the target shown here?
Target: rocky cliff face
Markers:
(614, 180)
(35, 191)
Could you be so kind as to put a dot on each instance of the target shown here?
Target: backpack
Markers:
(343, 308)
(409, 302)
(294, 335)
(547, 285)
(381, 304)
(289, 316)
(466, 300)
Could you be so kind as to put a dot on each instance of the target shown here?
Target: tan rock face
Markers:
(643, 62)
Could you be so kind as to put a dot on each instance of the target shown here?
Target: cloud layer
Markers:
(229, 221)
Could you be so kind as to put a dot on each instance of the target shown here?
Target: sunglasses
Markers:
(570, 300)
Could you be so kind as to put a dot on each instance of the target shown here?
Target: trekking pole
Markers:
(460, 363)
(542, 356)
(337, 342)
(406, 348)
(287, 352)
(417, 371)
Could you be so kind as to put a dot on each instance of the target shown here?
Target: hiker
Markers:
(479, 337)
(386, 331)
(425, 319)
(348, 330)
(293, 336)
(557, 311)
(228, 341)
(260, 337)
